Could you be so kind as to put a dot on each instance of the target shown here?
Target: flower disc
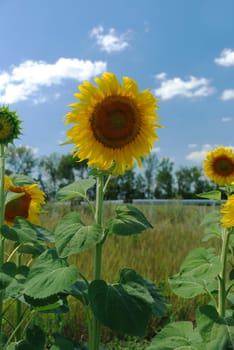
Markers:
(114, 123)
(219, 165)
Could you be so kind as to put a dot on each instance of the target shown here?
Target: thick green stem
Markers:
(2, 213)
(95, 334)
(18, 308)
(222, 276)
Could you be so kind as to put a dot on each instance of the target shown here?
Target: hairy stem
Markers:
(95, 334)
(222, 276)
(2, 213)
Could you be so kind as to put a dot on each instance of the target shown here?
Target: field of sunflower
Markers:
(89, 274)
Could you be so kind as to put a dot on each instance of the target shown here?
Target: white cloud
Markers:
(26, 80)
(199, 156)
(227, 95)
(190, 88)
(226, 119)
(110, 41)
(156, 150)
(226, 58)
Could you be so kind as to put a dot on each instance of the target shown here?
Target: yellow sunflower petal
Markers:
(114, 123)
(219, 165)
(27, 206)
(228, 213)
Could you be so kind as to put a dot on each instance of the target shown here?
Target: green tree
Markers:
(70, 168)
(126, 183)
(165, 180)
(21, 160)
(191, 181)
(150, 165)
(48, 176)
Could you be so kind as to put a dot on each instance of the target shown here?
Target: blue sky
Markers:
(182, 50)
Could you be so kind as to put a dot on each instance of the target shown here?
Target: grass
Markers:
(156, 254)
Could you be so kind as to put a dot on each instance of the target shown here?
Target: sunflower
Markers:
(114, 123)
(219, 165)
(9, 126)
(27, 206)
(228, 212)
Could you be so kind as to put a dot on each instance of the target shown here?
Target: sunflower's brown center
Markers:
(115, 121)
(224, 166)
(18, 206)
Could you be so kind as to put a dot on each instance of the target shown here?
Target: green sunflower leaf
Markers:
(22, 231)
(73, 237)
(215, 331)
(197, 274)
(216, 195)
(151, 293)
(128, 221)
(178, 335)
(75, 190)
(115, 308)
(49, 275)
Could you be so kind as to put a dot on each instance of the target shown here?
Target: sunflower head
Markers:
(228, 213)
(28, 205)
(114, 123)
(9, 126)
(219, 165)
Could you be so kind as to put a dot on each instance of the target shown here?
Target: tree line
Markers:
(157, 179)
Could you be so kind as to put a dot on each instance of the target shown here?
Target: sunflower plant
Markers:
(114, 125)
(208, 271)
(22, 239)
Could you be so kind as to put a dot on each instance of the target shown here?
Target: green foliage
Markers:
(72, 236)
(196, 275)
(49, 276)
(212, 332)
(77, 189)
(216, 195)
(129, 220)
(118, 309)
(177, 335)
(126, 306)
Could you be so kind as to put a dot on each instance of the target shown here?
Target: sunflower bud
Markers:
(9, 126)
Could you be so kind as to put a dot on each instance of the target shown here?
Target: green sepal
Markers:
(215, 195)
(72, 236)
(11, 196)
(128, 221)
(77, 189)
(21, 180)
